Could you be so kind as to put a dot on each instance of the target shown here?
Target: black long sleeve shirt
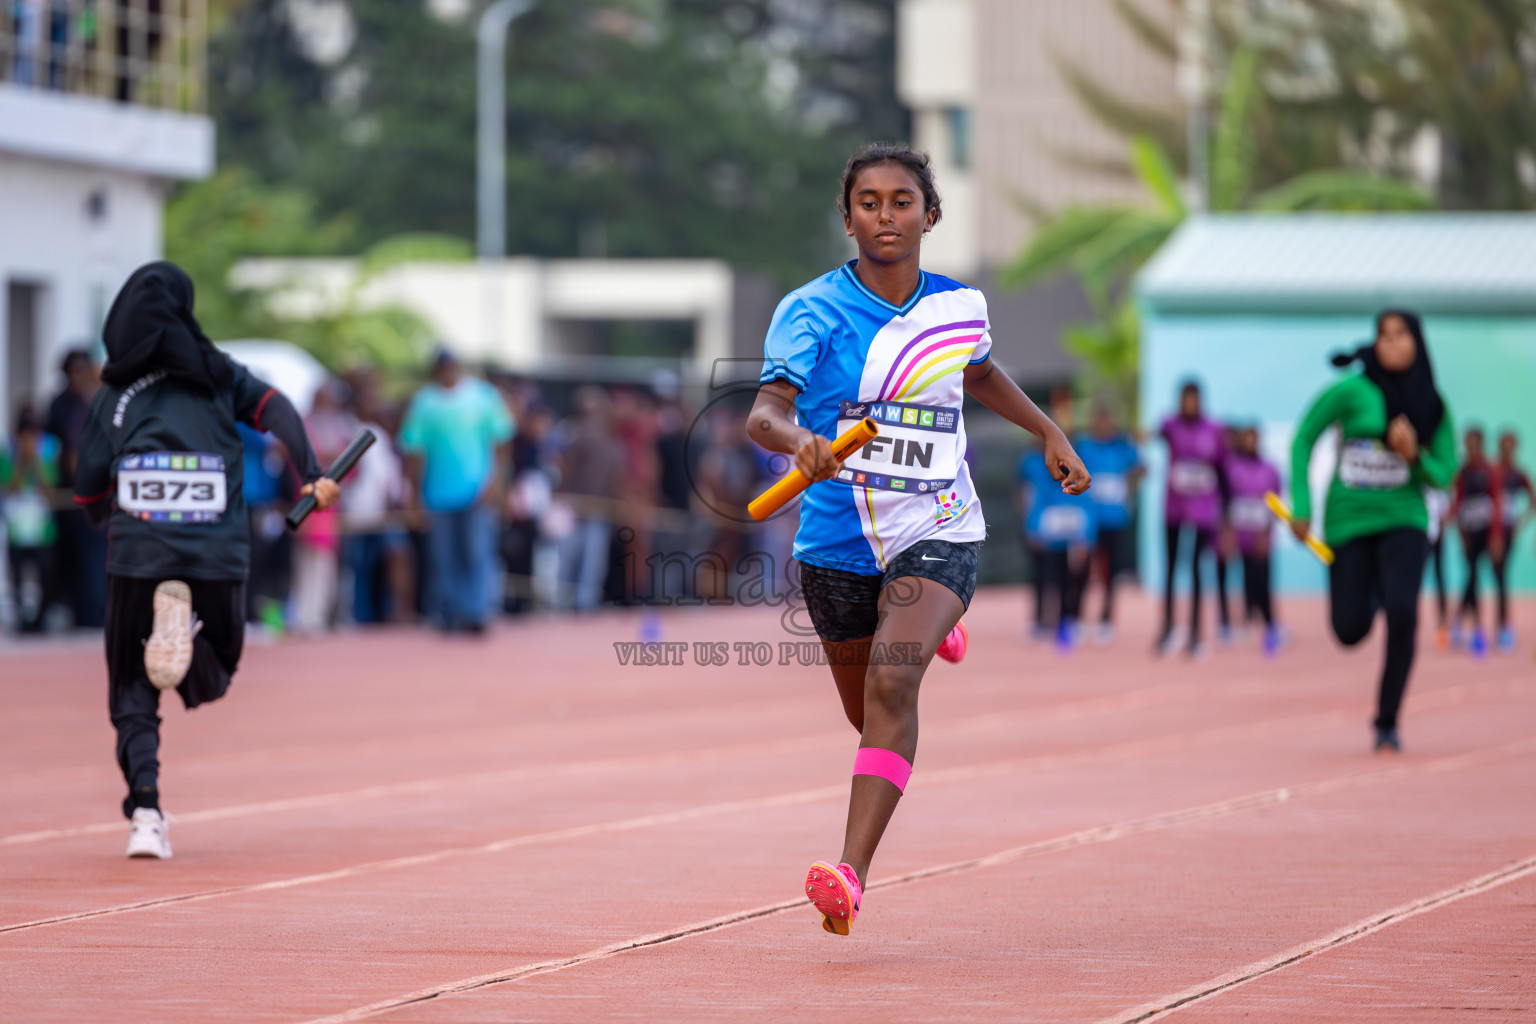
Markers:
(164, 462)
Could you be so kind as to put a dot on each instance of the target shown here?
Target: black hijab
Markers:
(150, 327)
(1412, 392)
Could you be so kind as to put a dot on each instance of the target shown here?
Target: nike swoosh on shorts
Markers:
(926, 558)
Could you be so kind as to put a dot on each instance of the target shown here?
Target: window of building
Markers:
(960, 137)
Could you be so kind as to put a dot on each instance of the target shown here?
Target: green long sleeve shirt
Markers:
(1374, 489)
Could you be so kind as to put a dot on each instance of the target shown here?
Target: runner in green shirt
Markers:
(1397, 439)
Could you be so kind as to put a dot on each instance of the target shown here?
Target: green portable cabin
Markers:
(1252, 306)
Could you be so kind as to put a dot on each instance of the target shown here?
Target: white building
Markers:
(526, 315)
(101, 108)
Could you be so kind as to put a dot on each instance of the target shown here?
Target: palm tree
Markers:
(1454, 77)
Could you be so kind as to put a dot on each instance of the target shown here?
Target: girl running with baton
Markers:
(1397, 439)
(888, 536)
(161, 458)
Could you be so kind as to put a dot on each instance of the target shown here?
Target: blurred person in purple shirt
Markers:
(1193, 503)
(1249, 525)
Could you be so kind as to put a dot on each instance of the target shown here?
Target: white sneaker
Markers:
(1104, 635)
(149, 834)
(168, 651)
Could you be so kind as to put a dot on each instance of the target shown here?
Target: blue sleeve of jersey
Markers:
(794, 343)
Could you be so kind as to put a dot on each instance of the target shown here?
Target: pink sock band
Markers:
(887, 764)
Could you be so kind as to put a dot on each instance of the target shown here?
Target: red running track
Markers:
(396, 826)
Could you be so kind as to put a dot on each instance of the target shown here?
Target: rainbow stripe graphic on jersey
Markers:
(930, 355)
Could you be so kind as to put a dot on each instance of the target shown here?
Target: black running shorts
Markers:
(846, 605)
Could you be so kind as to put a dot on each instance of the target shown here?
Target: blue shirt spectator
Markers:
(1053, 519)
(455, 438)
(263, 483)
(1113, 462)
(455, 431)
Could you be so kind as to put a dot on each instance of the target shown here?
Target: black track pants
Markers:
(132, 698)
(1474, 544)
(1171, 534)
(1382, 571)
(1258, 592)
(1437, 571)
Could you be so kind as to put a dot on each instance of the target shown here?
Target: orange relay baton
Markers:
(793, 482)
(1323, 552)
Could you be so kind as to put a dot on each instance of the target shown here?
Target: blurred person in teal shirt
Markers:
(456, 437)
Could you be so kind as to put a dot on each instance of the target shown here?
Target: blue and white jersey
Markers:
(852, 354)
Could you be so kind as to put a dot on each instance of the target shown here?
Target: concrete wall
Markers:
(100, 133)
(502, 312)
(81, 206)
(78, 232)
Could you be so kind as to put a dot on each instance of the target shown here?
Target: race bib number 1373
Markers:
(172, 487)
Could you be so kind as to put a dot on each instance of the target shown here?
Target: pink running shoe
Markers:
(835, 891)
(954, 646)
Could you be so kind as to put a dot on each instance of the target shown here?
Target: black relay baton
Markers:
(340, 468)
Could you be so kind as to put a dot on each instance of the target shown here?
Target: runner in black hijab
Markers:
(1396, 440)
(162, 462)
(1412, 392)
(151, 327)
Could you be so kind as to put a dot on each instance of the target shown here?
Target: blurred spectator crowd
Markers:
(488, 495)
(484, 495)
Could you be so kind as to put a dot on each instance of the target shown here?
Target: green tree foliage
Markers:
(635, 127)
(354, 332)
(1377, 75)
(1286, 129)
(212, 225)
(1104, 245)
(1362, 84)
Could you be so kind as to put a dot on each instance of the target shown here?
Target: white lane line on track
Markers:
(536, 839)
(1134, 700)
(1085, 837)
(1167, 1005)
(1164, 744)
(1155, 745)
(419, 787)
